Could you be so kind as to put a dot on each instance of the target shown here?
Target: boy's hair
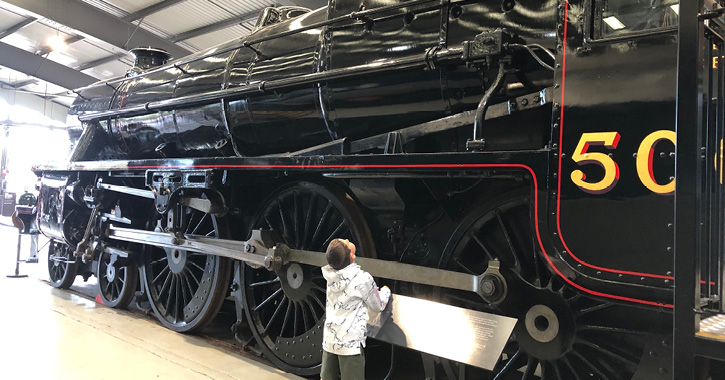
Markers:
(338, 254)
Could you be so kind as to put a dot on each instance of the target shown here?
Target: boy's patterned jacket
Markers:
(350, 293)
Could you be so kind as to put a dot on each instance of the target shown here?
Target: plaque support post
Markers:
(17, 261)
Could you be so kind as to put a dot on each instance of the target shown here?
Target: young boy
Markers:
(350, 293)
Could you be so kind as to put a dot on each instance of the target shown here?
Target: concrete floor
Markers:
(47, 333)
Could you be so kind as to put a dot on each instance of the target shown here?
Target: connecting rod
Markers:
(262, 250)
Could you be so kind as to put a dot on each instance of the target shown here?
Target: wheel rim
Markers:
(61, 274)
(286, 308)
(561, 334)
(186, 289)
(117, 280)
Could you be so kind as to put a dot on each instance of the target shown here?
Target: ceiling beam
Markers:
(18, 26)
(96, 23)
(216, 26)
(39, 67)
(100, 61)
(151, 10)
(24, 83)
(70, 40)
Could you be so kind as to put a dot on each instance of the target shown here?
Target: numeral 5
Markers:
(582, 157)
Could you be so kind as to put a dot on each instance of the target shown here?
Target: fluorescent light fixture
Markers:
(57, 43)
(614, 23)
(675, 8)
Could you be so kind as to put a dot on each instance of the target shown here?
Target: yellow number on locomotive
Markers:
(581, 157)
(644, 162)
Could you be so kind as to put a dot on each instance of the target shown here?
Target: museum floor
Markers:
(56, 334)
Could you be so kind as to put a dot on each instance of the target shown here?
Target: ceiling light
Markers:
(614, 23)
(675, 8)
(57, 43)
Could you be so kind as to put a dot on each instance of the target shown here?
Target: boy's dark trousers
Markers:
(343, 367)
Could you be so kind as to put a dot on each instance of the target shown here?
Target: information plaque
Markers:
(454, 333)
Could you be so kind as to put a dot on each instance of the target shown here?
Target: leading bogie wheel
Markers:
(285, 309)
(186, 289)
(62, 265)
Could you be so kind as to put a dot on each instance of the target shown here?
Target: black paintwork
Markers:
(623, 84)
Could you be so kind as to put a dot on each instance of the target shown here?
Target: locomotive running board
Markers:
(256, 253)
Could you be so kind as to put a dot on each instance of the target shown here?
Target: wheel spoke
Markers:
(262, 283)
(305, 316)
(334, 233)
(591, 309)
(159, 260)
(530, 368)
(571, 368)
(198, 225)
(611, 354)
(321, 223)
(460, 264)
(166, 285)
(591, 366)
(196, 265)
(184, 285)
(317, 299)
(311, 306)
(270, 298)
(317, 287)
(508, 237)
(163, 271)
(312, 207)
(189, 273)
(608, 329)
(171, 293)
(281, 304)
(514, 363)
(285, 233)
(186, 273)
(295, 215)
(480, 244)
(286, 316)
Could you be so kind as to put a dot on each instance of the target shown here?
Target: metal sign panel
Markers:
(454, 333)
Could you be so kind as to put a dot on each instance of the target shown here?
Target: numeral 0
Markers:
(610, 140)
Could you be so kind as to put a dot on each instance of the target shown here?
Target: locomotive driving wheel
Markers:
(560, 334)
(62, 265)
(117, 279)
(186, 289)
(286, 308)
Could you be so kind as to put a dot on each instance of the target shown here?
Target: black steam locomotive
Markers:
(534, 134)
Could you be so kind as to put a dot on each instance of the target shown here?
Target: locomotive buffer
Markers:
(470, 337)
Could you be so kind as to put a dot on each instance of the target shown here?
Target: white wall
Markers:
(48, 108)
(36, 136)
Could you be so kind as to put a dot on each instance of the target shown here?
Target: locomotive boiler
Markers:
(511, 143)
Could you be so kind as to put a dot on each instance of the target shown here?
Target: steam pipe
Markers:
(484, 103)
